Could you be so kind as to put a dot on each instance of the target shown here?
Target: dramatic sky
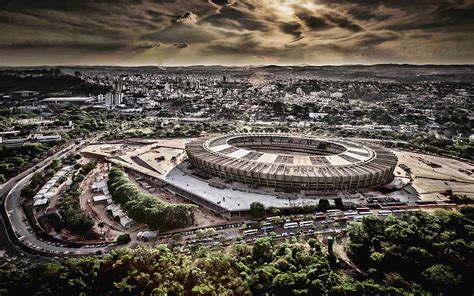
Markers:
(235, 32)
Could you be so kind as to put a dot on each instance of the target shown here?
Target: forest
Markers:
(421, 254)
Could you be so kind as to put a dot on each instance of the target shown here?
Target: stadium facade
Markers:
(291, 162)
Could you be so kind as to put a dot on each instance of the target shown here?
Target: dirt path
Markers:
(110, 228)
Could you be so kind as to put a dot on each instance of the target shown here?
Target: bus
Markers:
(319, 216)
(273, 219)
(290, 225)
(333, 213)
(351, 214)
(341, 219)
(267, 228)
(298, 218)
(385, 213)
(399, 212)
(250, 232)
(306, 223)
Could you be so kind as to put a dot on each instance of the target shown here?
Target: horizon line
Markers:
(243, 65)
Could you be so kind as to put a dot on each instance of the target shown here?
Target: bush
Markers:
(123, 239)
(88, 167)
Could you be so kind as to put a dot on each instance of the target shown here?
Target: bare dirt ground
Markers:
(110, 229)
(433, 175)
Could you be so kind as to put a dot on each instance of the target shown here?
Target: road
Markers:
(10, 194)
(24, 232)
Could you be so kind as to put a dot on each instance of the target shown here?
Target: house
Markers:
(100, 199)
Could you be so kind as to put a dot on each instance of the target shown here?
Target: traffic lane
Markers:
(24, 232)
(7, 186)
(5, 242)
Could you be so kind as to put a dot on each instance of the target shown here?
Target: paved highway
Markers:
(5, 240)
(10, 193)
(24, 232)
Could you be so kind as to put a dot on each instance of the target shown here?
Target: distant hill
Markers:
(381, 72)
(46, 84)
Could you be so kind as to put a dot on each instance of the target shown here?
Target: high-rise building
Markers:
(224, 79)
(118, 98)
(109, 99)
(100, 98)
(118, 84)
(167, 87)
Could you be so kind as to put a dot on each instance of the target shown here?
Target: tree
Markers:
(441, 278)
(262, 250)
(323, 204)
(339, 203)
(376, 257)
(88, 167)
(28, 191)
(257, 210)
(123, 239)
(177, 237)
(36, 179)
(273, 211)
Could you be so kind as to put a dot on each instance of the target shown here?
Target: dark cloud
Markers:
(178, 33)
(365, 14)
(371, 40)
(311, 21)
(343, 22)
(65, 5)
(232, 17)
(146, 45)
(187, 18)
(326, 30)
(67, 45)
(181, 45)
(292, 28)
(223, 2)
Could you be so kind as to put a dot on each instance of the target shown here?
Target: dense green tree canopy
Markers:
(269, 268)
(146, 208)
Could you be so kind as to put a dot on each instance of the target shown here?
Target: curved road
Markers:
(10, 205)
(26, 235)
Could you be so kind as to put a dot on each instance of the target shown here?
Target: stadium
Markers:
(288, 162)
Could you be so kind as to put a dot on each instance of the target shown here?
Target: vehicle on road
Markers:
(290, 225)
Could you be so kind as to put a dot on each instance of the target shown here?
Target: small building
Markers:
(126, 222)
(100, 199)
(69, 100)
(41, 203)
(118, 213)
(147, 235)
(99, 186)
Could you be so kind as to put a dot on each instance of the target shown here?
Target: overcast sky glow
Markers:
(235, 32)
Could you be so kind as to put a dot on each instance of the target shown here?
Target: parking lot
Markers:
(277, 228)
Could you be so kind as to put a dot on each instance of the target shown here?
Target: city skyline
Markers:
(228, 32)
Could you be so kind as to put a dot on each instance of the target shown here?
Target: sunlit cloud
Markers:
(176, 32)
